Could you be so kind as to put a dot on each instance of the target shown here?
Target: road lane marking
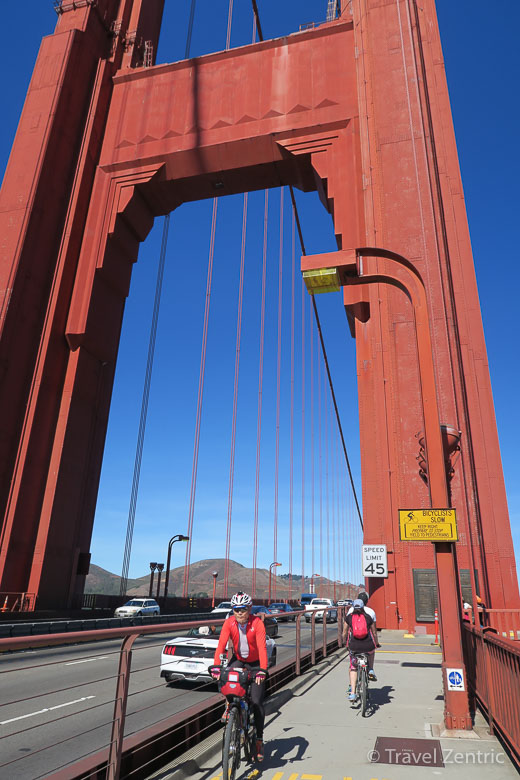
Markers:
(46, 709)
(87, 660)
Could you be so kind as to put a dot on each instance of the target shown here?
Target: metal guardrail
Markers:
(37, 628)
(17, 602)
(505, 621)
(158, 743)
(493, 670)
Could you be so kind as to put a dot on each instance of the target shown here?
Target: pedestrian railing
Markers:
(505, 621)
(493, 671)
(17, 602)
(114, 723)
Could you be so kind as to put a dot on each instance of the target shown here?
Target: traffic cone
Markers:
(4, 608)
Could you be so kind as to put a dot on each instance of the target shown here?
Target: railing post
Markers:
(490, 688)
(118, 722)
(298, 644)
(325, 612)
(341, 612)
(313, 638)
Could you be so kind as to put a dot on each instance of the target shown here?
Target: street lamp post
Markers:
(160, 567)
(274, 563)
(176, 538)
(312, 582)
(153, 567)
(214, 574)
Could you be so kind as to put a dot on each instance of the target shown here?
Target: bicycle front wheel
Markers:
(231, 746)
(363, 692)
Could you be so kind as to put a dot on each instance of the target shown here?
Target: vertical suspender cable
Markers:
(235, 395)
(190, 30)
(311, 335)
(260, 384)
(278, 375)
(321, 468)
(144, 408)
(230, 18)
(303, 437)
(326, 428)
(291, 453)
(199, 399)
(333, 497)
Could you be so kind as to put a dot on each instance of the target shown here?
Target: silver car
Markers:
(136, 607)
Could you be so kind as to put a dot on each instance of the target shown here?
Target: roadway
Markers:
(57, 703)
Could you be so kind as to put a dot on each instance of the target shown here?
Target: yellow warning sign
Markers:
(428, 525)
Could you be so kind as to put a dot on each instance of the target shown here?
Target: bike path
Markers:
(313, 733)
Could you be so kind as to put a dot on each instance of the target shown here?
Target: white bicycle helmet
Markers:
(241, 600)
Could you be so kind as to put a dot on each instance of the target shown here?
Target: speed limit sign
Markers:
(375, 562)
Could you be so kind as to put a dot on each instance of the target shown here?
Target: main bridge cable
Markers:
(316, 316)
(325, 359)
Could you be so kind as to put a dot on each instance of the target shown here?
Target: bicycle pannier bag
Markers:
(359, 625)
(233, 682)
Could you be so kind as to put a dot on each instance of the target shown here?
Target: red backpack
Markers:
(359, 624)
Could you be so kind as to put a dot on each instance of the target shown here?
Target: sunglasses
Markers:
(240, 609)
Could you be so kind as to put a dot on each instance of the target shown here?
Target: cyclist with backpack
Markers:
(360, 636)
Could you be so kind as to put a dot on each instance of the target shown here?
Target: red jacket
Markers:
(255, 635)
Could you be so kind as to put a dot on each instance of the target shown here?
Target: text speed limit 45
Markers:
(375, 563)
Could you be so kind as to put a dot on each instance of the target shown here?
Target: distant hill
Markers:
(201, 581)
(101, 581)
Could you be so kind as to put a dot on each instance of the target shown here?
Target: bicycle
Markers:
(240, 729)
(362, 681)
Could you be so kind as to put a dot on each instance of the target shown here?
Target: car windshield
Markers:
(134, 603)
(276, 606)
(320, 601)
(224, 605)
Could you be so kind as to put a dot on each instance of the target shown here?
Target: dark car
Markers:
(282, 611)
(270, 622)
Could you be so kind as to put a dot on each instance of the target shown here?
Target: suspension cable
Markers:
(316, 316)
(230, 19)
(324, 351)
(291, 456)
(260, 385)
(257, 20)
(190, 30)
(303, 437)
(278, 382)
(195, 463)
(235, 395)
(311, 335)
(144, 410)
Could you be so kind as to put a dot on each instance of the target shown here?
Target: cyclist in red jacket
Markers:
(247, 633)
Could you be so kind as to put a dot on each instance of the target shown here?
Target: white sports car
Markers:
(189, 657)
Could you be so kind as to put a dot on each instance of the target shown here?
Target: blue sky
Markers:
(479, 44)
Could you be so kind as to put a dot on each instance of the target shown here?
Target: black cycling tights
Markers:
(257, 695)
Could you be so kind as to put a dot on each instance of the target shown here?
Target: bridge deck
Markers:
(313, 733)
